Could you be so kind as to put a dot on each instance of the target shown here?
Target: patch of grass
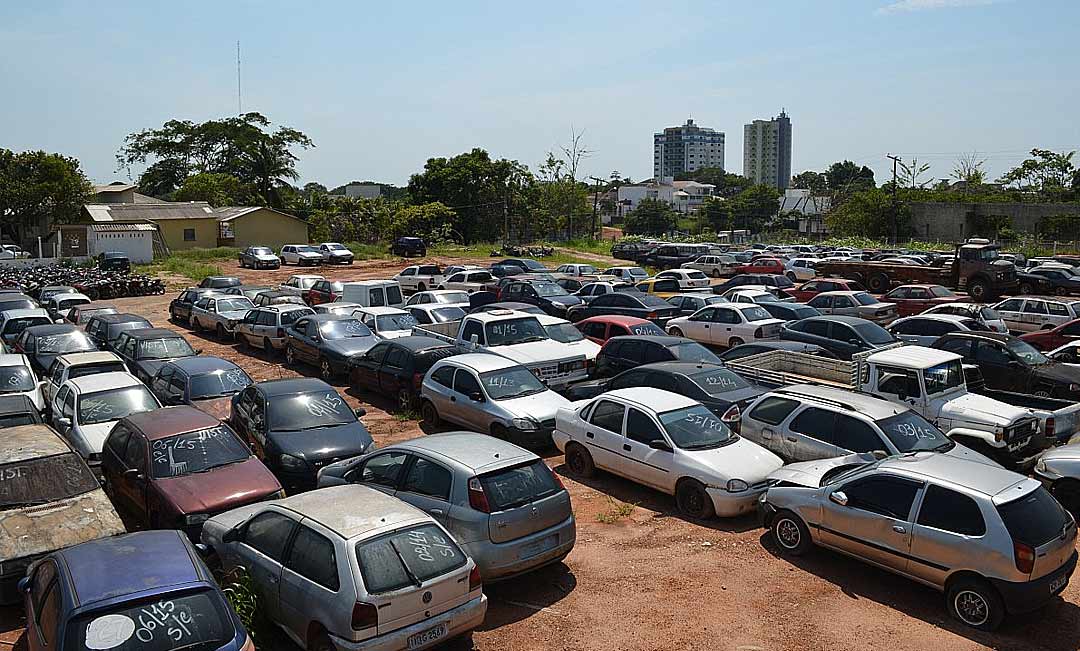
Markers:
(194, 264)
(616, 511)
(208, 255)
(585, 245)
(480, 250)
(364, 251)
(239, 589)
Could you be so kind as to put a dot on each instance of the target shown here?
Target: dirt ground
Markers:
(654, 580)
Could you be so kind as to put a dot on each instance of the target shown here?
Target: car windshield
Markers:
(516, 486)
(407, 557)
(756, 313)
(444, 314)
(67, 342)
(719, 381)
(514, 331)
(910, 432)
(114, 404)
(306, 249)
(637, 272)
(303, 411)
(192, 452)
(548, 290)
(14, 327)
(14, 379)
(509, 383)
(219, 383)
(874, 334)
(1026, 352)
(864, 299)
(194, 621)
(336, 247)
(387, 322)
(27, 304)
(262, 250)
(564, 333)
(165, 348)
(986, 255)
(989, 314)
(82, 370)
(941, 292)
(692, 351)
(452, 297)
(234, 304)
(695, 428)
(14, 420)
(943, 377)
(343, 329)
(44, 479)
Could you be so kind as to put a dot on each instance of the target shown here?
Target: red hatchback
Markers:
(916, 299)
(762, 266)
(324, 291)
(812, 288)
(1054, 337)
(174, 468)
(601, 328)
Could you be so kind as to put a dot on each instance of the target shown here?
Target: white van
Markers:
(373, 293)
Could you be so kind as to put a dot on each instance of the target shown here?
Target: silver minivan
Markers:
(264, 327)
(501, 502)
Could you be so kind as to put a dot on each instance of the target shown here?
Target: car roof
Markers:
(382, 309)
(91, 357)
(169, 421)
(152, 333)
(51, 329)
(946, 318)
(324, 318)
(120, 317)
(482, 362)
(616, 319)
(973, 475)
(913, 356)
(25, 312)
(663, 340)
(980, 334)
(868, 405)
(104, 381)
(292, 385)
(30, 442)
(352, 510)
(199, 364)
(417, 343)
(839, 318)
(150, 559)
(371, 283)
(12, 359)
(656, 400)
(477, 452)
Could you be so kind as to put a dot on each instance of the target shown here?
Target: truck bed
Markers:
(443, 331)
(894, 274)
(1065, 413)
(785, 367)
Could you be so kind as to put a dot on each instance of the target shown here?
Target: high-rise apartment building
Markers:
(767, 151)
(686, 148)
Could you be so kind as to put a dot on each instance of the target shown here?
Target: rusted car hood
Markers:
(219, 489)
(219, 408)
(44, 528)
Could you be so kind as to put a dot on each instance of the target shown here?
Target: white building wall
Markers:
(138, 245)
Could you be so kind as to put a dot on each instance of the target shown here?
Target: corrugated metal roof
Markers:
(113, 188)
(229, 213)
(143, 198)
(127, 228)
(141, 212)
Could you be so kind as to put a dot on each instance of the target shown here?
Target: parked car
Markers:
(259, 257)
(408, 246)
(419, 277)
(47, 292)
(621, 353)
(336, 253)
(924, 329)
(17, 378)
(758, 347)
(1061, 281)
(299, 284)
(204, 382)
(635, 304)
(18, 410)
(630, 275)
(176, 467)
(249, 291)
(76, 365)
(327, 341)
(727, 325)
(373, 293)
(860, 304)
(1010, 364)
(367, 570)
(298, 426)
(439, 297)
(85, 409)
(1032, 313)
(52, 495)
(81, 314)
(146, 350)
(264, 327)
(577, 269)
(978, 311)
(589, 291)
(164, 585)
(548, 296)
(114, 261)
(527, 265)
(788, 311)
(668, 442)
(468, 281)
(992, 540)
(219, 282)
(180, 307)
(386, 322)
(324, 291)
(800, 269)
(763, 265)
(1054, 337)
(599, 329)
(219, 314)
(690, 303)
(915, 299)
(395, 368)
(470, 483)
(337, 307)
(782, 283)
(661, 287)
(434, 313)
(843, 336)
(492, 395)
(812, 288)
(688, 279)
(269, 299)
(713, 265)
(105, 329)
(13, 322)
(300, 254)
(44, 343)
(58, 306)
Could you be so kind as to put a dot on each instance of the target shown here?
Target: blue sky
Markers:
(381, 87)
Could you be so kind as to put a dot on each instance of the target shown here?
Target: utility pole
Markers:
(239, 103)
(895, 206)
(595, 204)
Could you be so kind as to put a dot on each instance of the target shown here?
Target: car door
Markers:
(918, 299)
(1034, 315)
(261, 550)
(310, 579)
(131, 483)
(824, 304)
(764, 424)
(843, 305)
(440, 388)
(1000, 369)
(628, 354)
(1069, 332)
(310, 340)
(811, 435)
(1057, 314)
(366, 367)
(463, 408)
(426, 485)
(726, 321)
(845, 341)
(874, 522)
(699, 326)
(603, 436)
(1010, 312)
(392, 372)
(43, 601)
(652, 467)
(947, 521)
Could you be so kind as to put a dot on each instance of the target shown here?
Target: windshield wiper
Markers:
(404, 565)
(530, 339)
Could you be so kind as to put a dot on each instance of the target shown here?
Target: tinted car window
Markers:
(773, 410)
(855, 435)
(1034, 518)
(268, 533)
(428, 478)
(951, 511)
(608, 415)
(888, 496)
(815, 422)
(383, 469)
(312, 556)
(641, 428)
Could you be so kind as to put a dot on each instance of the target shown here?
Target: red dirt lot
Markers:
(654, 580)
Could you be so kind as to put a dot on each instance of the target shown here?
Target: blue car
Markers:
(146, 591)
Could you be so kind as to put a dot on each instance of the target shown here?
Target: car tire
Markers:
(676, 332)
(1026, 288)
(790, 533)
(268, 347)
(421, 287)
(290, 355)
(692, 500)
(878, 284)
(734, 341)
(326, 371)
(406, 399)
(221, 332)
(791, 276)
(430, 415)
(579, 461)
(975, 602)
(1041, 392)
(1061, 291)
(1067, 491)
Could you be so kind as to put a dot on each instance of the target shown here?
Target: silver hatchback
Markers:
(994, 541)
(501, 502)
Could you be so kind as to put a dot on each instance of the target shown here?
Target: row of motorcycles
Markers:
(534, 251)
(94, 282)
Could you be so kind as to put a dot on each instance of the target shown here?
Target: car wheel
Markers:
(790, 534)
(406, 400)
(791, 276)
(321, 642)
(268, 347)
(978, 290)
(1041, 392)
(975, 603)
(1026, 288)
(1067, 491)
(290, 355)
(676, 332)
(326, 372)
(579, 460)
(421, 287)
(430, 415)
(221, 332)
(734, 341)
(693, 501)
(878, 284)
(1061, 291)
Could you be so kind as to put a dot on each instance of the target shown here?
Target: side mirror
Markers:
(838, 497)
(360, 412)
(660, 444)
(476, 396)
(198, 351)
(203, 549)
(879, 454)
(232, 535)
(474, 340)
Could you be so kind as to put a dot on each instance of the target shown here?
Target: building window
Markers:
(189, 234)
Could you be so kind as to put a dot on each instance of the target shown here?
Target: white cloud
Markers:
(902, 6)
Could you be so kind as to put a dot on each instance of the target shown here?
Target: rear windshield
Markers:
(26, 304)
(650, 300)
(393, 295)
(199, 451)
(445, 314)
(513, 487)
(989, 314)
(452, 297)
(874, 334)
(1035, 518)
(388, 322)
(756, 314)
(719, 381)
(44, 480)
(564, 332)
(16, 326)
(14, 420)
(910, 432)
(222, 382)
(16, 378)
(407, 557)
(428, 270)
(114, 404)
(165, 348)
(424, 360)
(68, 342)
(192, 621)
(303, 411)
(692, 351)
(83, 370)
(865, 299)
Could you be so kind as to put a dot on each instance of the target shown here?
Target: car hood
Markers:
(874, 307)
(308, 254)
(235, 315)
(742, 459)
(1058, 372)
(963, 452)
(1069, 452)
(351, 345)
(339, 254)
(265, 256)
(394, 334)
(584, 347)
(565, 300)
(95, 434)
(219, 489)
(973, 407)
(539, 406)
(219, 408)
(43, 528)
(324, 443)
(536, 351)
(809, 473)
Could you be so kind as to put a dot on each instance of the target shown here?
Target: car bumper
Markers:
(765, 513)
(267, 264)
(459, 621)
(1030, 595)
(501, 561)
(540, 437)
(730, 505)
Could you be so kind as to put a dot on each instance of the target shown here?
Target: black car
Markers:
(569, 284)
(395, 368)
(18, 410)
(589, 291)
(114, 261)
(769, 280)
(548, 296)
(504, 270)
(639, 304)
(671, 256)
(790, 311)
(1008, 363)
(407, 246)
(327, 341)
(622, 353)
(629, 250)
(841, 335)
(504, 305)
(180, 307)
(746, 350)
(1047, 280)
(44, 343)
(526, 265)
(219, 282)
(103, 329)
(205, 382)
(148, 349)
(297, 426)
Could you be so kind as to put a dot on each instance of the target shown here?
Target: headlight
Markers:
(737, 486)
(291, 463)
(196, 518)
(231, 323)
(524, 424)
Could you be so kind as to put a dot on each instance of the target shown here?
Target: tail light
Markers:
(249, 644)
(1024, 555)
(1050, 428)
(733, 418)
(364, 616)
(477, 497)
(417, 380)
(281, 332)
(651, 315)
(758, 333)
(475, 582)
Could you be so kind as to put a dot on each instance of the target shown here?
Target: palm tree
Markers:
(270, 164)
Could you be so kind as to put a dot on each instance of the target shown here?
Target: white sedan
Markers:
(688, 278)
(468, 281)
(386, 322)
(85, 409)
(668, 442)
(754, 295)
(440, 297)
(729, 324)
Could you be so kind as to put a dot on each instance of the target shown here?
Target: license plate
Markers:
(1016, 446)
(427, 637)
(1057, 584)
(539, 547)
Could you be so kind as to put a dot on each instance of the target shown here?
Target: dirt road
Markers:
(653, 580)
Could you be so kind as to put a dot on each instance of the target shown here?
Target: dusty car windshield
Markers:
(195, 621)
(564, 332)
(165, 348)
(1026, 352)
(114, 404)
(865, 299)
(44, 480)
(696, 428)
(719, 381)
(452, 297)
(303, 411)
(944, 377)
(336, 247)
(343, 329)
(756, 313)
(16, 378)
(193, 452)
(514, 331)
(510, 383)
(219, 383)
(910, 432)
(68, 342)
(692, 351)
(385, 322)
(407, 557)
(234, 304)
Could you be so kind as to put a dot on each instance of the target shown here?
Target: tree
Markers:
(755, 207)
(969, 169)
(910, 173)
(342, 219)
(1049, 173)
(431, 221)
(215, 189)
(846, 177)
(37, 189)
(815, 182)
(651, 217)
(717, 213)
(868, 213)
(727, 184)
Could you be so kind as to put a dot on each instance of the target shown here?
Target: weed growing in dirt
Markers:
(240, 591)
(616, 511)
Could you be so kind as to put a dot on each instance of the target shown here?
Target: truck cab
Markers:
(981, 270)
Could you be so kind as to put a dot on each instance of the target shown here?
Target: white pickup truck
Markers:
(517, 336)
(1008, 428)
(420, 277)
